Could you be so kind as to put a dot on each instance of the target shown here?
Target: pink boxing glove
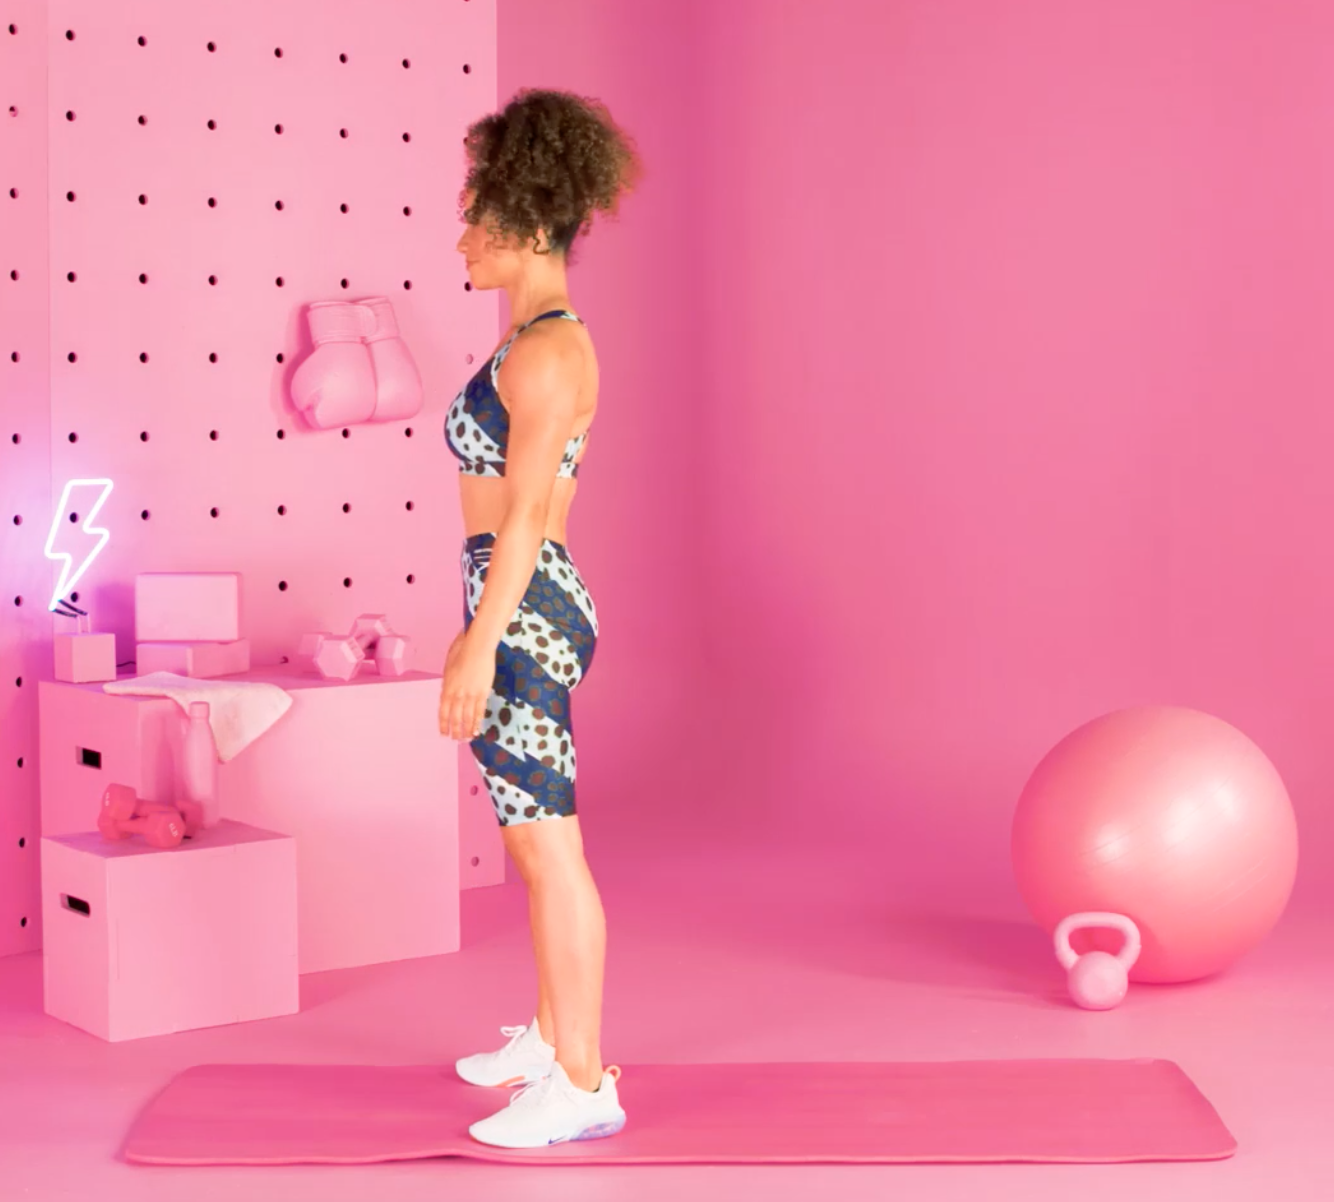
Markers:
(398, 385)
(335, 386)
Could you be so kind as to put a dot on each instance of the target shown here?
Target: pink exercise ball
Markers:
(1168, 816)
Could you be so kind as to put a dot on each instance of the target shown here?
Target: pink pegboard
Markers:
(157, 343)
(140, 941)
(25, 459)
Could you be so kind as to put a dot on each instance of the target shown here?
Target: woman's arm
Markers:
(542, 376)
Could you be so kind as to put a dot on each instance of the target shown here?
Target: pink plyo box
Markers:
(187, 607)
(141, 941)
(1062, 1111)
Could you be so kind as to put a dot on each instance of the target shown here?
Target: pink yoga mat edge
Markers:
(950, 1112)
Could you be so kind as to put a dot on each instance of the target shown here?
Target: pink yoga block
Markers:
(89, 739)
(187, 607)
(145, 942)
(85, 657)
(199, 660)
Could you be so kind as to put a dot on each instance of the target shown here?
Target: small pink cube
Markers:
(140, 941)
(81, 658)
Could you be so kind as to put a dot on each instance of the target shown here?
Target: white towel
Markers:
(239, 710)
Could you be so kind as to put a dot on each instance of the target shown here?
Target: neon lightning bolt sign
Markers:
(69, 576)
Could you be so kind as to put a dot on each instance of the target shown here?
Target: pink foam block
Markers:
(187, 607)
(140, 941)
(200, 660)
(88, 739)
(359, 774)
(806, 1113)
(85, 657)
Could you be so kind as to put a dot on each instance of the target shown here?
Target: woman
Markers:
(537, 171)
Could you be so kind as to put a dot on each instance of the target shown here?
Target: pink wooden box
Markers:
(83, 657)
(139, 941)
(200, 660)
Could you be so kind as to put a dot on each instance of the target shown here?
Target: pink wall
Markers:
(968, 362)
(1018, 405)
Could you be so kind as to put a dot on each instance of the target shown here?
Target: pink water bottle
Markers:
(199, 765)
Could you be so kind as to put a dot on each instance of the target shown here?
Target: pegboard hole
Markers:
(213, 435)
(18, 681)
(278, 204)
(74, 518)
(407, 433)
(467, 358)
(16, 439)
(212, 124)
(73, 437)
(143, 41)
(282, 586)
(18, 521)
(143, 120)
(18, 601)
(282, 433)
(342, 208)
(23, 922)
(407, 137)
(277, 129)
(213, 281)
(145, 514)
(13, 356)
(143, 356)
(69, 115)
(342, 133)
(22, 844)
(407, 62)
(212, 47)
(347, 581)
(279, 281)
(143, 435)
(13, 275)
(213, 512)
(282, 511)
(13, 110)
(13, 29)
(143, 200)
(407, 210)
(277, 52)
(467, 69)
(280, 359)
(71, 277)
(213, 356)
(408, 285)
(346, 507)
(475, 861)
(69, 35)
(411, 578)
(70, 196)
(342, 283)
(342, 58)
(20, 761)
(73, 358)
(346, 432)
(143, 277)
(410, 506)
(212, 202)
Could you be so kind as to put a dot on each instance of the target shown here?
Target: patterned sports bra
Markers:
(477, 425)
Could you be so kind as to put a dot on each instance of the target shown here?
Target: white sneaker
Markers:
(552, 1111)
(526, 1058)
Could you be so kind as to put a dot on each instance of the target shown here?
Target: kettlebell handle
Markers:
(1129, 952)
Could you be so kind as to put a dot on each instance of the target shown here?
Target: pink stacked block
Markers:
(189, 623)
(200, 660)
(144, 942)
(89, 739)
(357, 773)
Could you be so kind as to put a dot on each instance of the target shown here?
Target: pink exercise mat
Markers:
(963, 1111)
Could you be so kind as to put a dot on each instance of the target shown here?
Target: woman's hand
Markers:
(470, 671)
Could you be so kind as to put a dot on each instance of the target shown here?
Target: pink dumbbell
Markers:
(338, 657)
(123, 814)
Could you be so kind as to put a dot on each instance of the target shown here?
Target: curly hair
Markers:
(547, 161)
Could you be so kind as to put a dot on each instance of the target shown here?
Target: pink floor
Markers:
(717, 962)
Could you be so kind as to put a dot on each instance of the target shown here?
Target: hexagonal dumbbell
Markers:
(338, 658)
(123, 814)
(391, 654)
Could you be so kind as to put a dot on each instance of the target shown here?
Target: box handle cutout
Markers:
(77, 904)
(90, 758)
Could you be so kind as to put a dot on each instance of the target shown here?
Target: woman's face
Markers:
(491, 260)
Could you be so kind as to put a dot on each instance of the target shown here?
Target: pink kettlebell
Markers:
(1098, 980)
